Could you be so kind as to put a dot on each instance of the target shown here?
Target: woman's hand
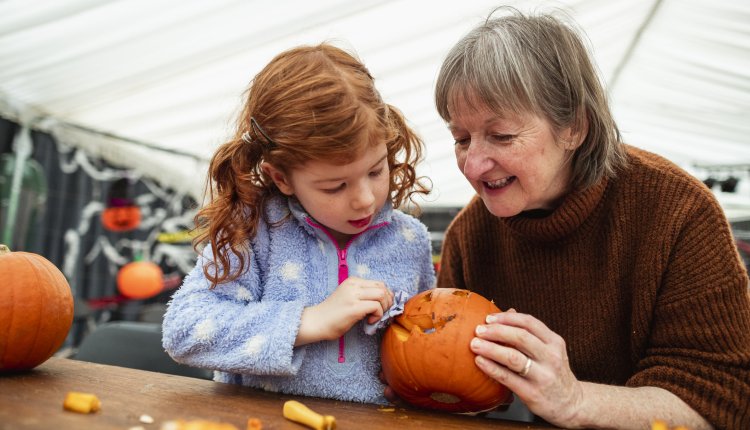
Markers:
(353, 300)
(523, 354)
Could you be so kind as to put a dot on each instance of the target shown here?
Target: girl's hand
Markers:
(353, 300)
(545, 384)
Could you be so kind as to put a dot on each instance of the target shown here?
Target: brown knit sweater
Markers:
(639, 275)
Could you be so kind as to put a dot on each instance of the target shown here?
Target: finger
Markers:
(516, 337)
(372, 311)
(511, 358)
(502, 374)
(377, 293)
(525, 321)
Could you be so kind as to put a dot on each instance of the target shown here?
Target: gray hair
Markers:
(536, 64)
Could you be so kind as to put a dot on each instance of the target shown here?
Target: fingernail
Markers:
(491, 319)
(480, 360)
(475, 343)
(481, 329)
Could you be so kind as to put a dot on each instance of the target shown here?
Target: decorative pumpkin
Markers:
(426, 356)
(140, 280)
(121, 218)
(36, 310)
(121, 214)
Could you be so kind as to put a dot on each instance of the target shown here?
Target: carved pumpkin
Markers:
(140, 280)
(426, 356)
(36, 310)
(121, 218)
(121, 214)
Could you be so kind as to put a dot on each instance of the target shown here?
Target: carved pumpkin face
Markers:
(121, 218)
(36, 310)
(426, 356)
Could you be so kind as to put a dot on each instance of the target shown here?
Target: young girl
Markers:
(304, 243)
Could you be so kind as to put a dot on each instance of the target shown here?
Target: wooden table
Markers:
(33, 400)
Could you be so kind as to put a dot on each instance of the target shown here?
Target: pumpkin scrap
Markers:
(426, 356)
(254, 424)
(83, 403)
(661, 425)
(36, 310)
(196, 425)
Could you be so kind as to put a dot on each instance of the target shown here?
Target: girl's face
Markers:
(515, 162)
(343, 198)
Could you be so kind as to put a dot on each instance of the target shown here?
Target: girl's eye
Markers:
(334, 190)
(376, 173)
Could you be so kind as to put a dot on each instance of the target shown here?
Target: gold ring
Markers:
(526, 367)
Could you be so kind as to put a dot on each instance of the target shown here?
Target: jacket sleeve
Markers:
(230, 328)
(699, 345)
(427, 272)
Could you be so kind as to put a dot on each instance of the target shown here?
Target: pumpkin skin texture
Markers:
(140, 280)
(426, 356)
(36, 310)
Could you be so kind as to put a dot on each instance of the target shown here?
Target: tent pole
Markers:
(633, 43)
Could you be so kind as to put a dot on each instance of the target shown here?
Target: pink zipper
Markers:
(343, 266)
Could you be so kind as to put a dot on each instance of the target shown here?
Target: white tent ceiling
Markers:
(170, 73)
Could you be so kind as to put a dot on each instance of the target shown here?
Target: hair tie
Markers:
(246, 137)
(257, 129)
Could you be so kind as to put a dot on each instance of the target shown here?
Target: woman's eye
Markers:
(462, 141)
(502, 138)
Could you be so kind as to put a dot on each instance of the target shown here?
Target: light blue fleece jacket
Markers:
(245, 329)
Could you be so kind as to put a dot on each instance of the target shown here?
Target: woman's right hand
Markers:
(353, 300)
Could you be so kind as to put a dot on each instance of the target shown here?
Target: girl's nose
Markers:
(363, 197)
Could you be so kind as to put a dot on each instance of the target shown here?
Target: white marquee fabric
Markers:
(170, 73)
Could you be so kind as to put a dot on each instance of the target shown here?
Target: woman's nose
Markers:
(474, 161)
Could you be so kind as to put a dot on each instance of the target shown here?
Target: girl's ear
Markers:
(278, 177)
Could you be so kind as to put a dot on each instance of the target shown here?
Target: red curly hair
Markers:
(309, 103)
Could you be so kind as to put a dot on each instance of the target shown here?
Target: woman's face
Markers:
(515, 162)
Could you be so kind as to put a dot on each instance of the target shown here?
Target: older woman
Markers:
(631, 302)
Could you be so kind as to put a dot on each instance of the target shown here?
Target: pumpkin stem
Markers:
(4, 249)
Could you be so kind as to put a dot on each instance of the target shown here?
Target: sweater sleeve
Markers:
(699, 346)
(230, 328)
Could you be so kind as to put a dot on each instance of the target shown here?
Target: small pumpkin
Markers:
(140, 280)
(426, 357)
(36, 310)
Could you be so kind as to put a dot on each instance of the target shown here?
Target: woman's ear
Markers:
(573, 136)
(278, 177)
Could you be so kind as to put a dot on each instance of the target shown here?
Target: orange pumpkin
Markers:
(140, 280)
(426, 356)
(121, 218)
(36, 310)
